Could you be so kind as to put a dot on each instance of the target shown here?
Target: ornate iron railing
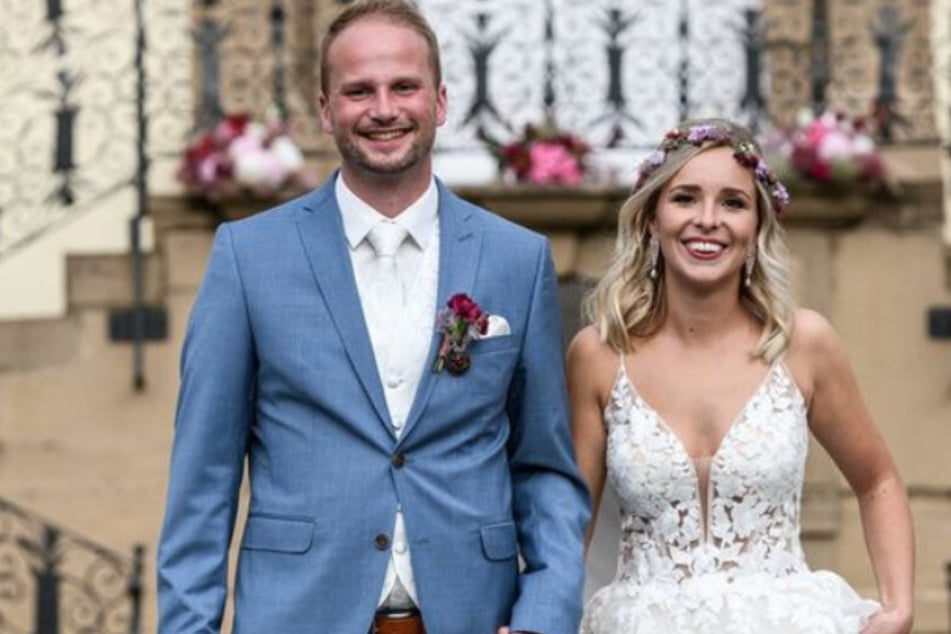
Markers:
(70, 125)
(53, 581)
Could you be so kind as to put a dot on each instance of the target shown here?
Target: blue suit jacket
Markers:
(278, 368)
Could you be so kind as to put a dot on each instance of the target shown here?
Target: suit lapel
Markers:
(321, 231)
(460, 242)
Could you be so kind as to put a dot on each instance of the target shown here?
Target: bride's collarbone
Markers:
(699, 405)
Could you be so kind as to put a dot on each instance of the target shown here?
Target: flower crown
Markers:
(743, 151)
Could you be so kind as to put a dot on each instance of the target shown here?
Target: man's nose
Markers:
(384, 106)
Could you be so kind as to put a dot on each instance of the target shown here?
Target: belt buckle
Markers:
(393, 614)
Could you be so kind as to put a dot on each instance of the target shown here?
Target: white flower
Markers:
(287, 153)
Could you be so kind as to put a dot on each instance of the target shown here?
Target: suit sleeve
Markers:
(551, 502)
(212, 423)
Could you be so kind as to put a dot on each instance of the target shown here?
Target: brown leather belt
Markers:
(398, 622)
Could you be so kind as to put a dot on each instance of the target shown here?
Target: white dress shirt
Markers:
(401, 336)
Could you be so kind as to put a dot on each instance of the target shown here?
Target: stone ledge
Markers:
(540, 207)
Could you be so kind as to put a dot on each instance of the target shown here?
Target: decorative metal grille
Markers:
(55, 582)
(68, 114)
(252, 55)
(854, 56)
(620, 73)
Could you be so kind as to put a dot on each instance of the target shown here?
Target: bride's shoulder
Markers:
(591, 356)
(814, 347)
(812, 334)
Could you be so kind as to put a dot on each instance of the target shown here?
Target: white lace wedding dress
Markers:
(719, 552)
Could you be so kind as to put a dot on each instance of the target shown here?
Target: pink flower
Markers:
(542, 155)
(553, 163)
(241, 155)
(832, 149)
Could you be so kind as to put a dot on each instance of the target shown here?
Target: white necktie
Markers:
(387, 289)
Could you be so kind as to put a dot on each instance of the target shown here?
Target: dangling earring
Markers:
(653, 255)
(748, 267)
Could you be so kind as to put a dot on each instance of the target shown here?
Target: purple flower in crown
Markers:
(744, 152)
(655, 159)
(780, 196)
(699, 134)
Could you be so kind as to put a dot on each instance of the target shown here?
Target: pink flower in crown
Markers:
(553, 163)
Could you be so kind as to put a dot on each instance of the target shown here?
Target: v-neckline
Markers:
(703, 490)
(662, 424)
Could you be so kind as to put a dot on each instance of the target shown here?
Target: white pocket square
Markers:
(498, 327)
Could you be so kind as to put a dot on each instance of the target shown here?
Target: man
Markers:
(398, 472)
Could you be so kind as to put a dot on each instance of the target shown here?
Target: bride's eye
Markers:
(682, 198)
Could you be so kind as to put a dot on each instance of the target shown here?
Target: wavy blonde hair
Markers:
(627, 305)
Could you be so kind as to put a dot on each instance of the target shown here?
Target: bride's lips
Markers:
(704, 249)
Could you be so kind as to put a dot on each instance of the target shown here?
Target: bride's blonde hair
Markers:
(627, 304)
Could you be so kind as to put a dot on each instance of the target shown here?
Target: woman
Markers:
(694, 391)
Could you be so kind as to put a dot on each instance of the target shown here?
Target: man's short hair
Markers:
(398, 12)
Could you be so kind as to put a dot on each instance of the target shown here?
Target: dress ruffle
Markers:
(810, 602)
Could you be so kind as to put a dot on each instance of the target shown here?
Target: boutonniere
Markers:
(460, 322)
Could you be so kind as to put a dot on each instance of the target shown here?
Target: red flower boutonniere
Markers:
(460, 322)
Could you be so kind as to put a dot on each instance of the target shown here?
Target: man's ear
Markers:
(323, 107)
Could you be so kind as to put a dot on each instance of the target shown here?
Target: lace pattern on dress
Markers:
(749, 521)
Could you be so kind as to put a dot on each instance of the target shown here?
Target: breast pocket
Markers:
(491, 345)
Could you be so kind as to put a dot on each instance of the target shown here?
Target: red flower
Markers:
(463, 306)
(460, 322)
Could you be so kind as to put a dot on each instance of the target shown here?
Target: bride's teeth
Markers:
(705, 247)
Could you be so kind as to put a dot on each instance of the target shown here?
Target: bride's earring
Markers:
(653, 255)
(748, 267)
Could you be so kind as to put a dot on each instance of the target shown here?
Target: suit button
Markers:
(399, 460)
(381, 541)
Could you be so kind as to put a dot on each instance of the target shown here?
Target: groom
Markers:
(405, 477)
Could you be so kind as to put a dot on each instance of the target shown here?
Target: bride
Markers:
(694, 391)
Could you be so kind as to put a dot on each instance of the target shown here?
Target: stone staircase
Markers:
(77, 443)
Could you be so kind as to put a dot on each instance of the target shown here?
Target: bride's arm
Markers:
(842, 423)
(587, 359)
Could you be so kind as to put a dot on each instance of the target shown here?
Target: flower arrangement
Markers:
(460, 322)
(239, 156)
(830, 150)
(543, 155)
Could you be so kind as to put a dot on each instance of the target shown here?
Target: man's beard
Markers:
(353, 153)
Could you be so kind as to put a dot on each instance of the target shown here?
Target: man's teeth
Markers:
(385, 136)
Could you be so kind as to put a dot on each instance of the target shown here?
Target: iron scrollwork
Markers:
(53, 581)
(69, 122)
(619, 73)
